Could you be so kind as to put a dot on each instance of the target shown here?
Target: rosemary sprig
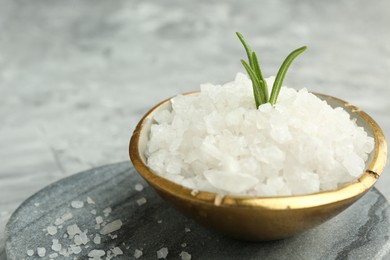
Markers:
(259, 84)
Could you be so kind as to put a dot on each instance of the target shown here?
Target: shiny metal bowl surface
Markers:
(262, 218)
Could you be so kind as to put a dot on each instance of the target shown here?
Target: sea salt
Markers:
(185, 255)
(72, 230)
(53, 255)
(75, 249)
(107, 211)
(138, 253)
(77, 204)
(67, 216)
(56, 246)
(52, 230)
(41, 251)
(162, 253)
(95, 253)
(90, 201)
(99, 220)
(30, 252)
(139, 187)
(97, 240)
(117, 251)
(141, 201)
(218, 141)
(111, 227)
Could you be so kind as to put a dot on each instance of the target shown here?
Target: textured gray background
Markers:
(76, 76)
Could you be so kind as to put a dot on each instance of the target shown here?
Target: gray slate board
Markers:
(360, 232)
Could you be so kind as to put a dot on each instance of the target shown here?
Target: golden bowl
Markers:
(262, 218)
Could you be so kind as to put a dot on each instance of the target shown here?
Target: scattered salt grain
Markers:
(97, 240)
(75, 249)
(183, 244)
(187, 230)
(139, 187)
(162, 253)
(36, 204)
(107, 211)
(117, 251)
(56, 246)
(77, 204)
(30, 252)
(111, 227)
(73, 230)
(81, 239)
(113, 236)
(138, 253)
(218, 141)
(53, 255)
(141, 201)
(93, 212)
(90, 201)
(159, 221)
(65, 252)
(95, 253)
(185, 255)
(99, 220)
(52, 230)
(41, 251)
(67, 216)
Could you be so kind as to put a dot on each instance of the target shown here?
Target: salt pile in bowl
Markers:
(217, 141)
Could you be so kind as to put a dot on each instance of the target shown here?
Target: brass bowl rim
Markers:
(350, 190)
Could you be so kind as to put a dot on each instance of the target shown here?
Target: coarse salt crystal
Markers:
(113, 236)
(97, 240)
(141, 201)
(52, 230)
(30, 252)
(90, 201)
(99, 220)
(117, 251)
(53, 255)
(56, 246)
(111, 227)
(65, 252)
(107, 211)
(162, 253)
(138, 253)
(95, 253)
(185, 255)
(187, 230)
(77, 204)
(93, 212)
(75, 249)
(41, 251)
(139, 187)
(73, 230)
(81, 238)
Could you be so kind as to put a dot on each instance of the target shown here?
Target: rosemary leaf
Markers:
(257, 70)
(247, 48)
(282, 73)
(257, 92)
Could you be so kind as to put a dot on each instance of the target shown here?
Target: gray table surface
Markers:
(76, 76)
